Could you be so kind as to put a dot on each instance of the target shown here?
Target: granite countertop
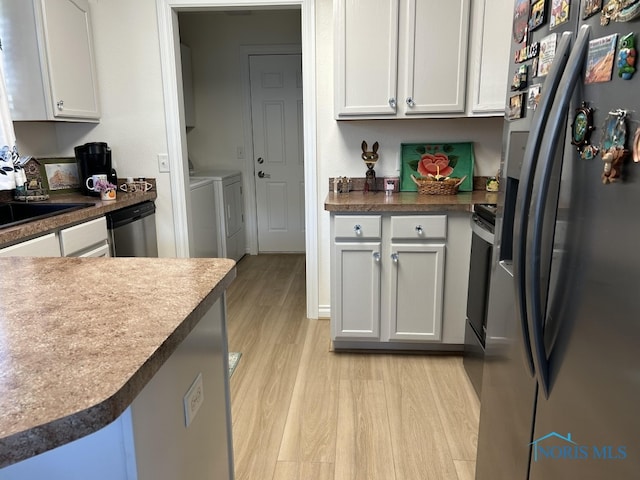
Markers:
(407, 202)
(39, 227)
(81, 337)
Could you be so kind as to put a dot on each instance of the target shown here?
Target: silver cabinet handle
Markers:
(376, 257)
(392, 103)
(394, 257)
(357, 229)
(260, 160)
(60, 105)
(410, 102)
(419, 230)
(261, 174)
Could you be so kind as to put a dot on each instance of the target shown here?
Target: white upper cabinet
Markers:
(400, 58)
(49, 60)
(366, 57)
(489, 56)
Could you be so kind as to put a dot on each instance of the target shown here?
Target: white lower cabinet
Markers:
(415, 293)
(357, 277)
(399, 281)
(45, 246)
(88, 239)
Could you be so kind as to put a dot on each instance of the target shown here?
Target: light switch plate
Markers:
(193, 400)
(163, 163)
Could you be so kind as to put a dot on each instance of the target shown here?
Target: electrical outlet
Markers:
(163, 163)
(193, 400)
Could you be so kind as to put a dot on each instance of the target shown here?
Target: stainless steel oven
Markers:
(482, 227)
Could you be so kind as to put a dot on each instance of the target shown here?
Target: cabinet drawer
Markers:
(357, 226)
(85, 235)
(419, 227)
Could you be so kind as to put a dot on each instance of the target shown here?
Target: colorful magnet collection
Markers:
(601, 60)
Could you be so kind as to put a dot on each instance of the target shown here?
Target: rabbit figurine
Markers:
(370, 157)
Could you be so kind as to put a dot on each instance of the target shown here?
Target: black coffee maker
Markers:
(94, 158)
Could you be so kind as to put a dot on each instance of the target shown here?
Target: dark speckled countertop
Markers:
(81, 337)
(407, 202)
(35, 228)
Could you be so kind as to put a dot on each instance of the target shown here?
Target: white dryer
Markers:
(226, 209)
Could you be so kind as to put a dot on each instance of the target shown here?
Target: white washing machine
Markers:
(204, 231)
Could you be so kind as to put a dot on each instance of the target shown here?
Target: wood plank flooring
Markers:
(303, 412)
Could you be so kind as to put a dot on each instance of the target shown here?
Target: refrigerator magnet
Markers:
(547, 54)
(559, 13)
(515, 109)
(627, 56)
(636, 146)
(619, 11)
(519, 81)
(533, 98)
(537, 14)
(520, 20)
(600, 59)
(591, 7)
(582, 127)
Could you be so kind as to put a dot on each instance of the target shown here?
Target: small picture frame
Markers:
(533, 98)
(60, 175)
(392, 184)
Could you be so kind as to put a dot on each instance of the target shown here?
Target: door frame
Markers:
(252, 211)
(168, 34)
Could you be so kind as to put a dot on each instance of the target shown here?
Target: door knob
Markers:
(261, 174)
(260, 160)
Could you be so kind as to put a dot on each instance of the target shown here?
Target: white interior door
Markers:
(276, 112)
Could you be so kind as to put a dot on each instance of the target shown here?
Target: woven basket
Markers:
(427, 186)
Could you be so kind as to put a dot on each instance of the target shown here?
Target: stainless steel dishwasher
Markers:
(132, 231)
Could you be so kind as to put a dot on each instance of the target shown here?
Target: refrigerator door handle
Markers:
(551, 141)
(523, 199)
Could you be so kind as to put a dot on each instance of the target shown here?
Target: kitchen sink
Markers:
(15, 213)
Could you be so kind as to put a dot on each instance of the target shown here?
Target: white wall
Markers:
(128, 62)
(215, 39)
(126, 39)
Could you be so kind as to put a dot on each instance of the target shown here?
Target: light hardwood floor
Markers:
(303, 412)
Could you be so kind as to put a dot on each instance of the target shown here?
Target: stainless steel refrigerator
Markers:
(561, 388)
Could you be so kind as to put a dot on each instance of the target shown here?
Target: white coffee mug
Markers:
(93, 179)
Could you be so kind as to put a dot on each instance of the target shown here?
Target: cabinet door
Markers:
(366, 55)
(436, 36)
(44, 246)
(70, 59)
(489, 58)
(416, 292)
(357, 290)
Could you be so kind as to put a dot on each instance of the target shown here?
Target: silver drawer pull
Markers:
(394, 257)
(376, 257)
(419, 230)
(392, 103)
(410, 102)
(357, 229)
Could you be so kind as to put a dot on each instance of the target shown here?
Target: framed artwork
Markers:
(533, 98)
(60, 174)
(591, 7)
(559, 12)
(447, 159)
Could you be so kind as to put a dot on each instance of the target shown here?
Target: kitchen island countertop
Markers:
(358, 201)
(81, 337)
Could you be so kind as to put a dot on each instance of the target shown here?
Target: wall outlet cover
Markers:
(193, 400)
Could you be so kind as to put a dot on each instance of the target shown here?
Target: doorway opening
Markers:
(170, 33)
